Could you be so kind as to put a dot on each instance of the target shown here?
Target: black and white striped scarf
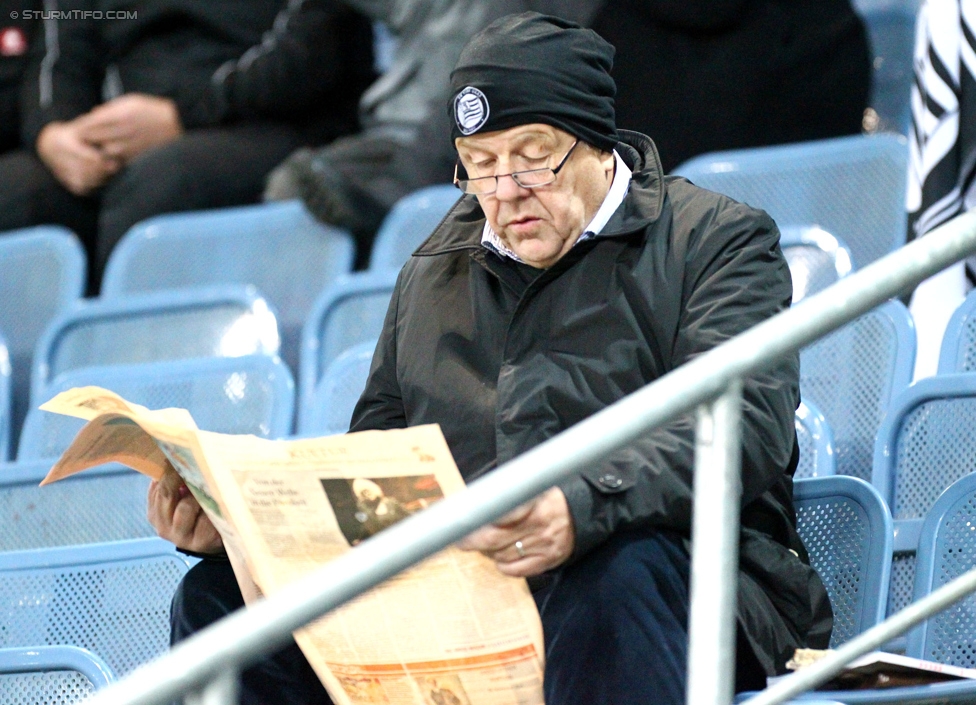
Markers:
(942, 141)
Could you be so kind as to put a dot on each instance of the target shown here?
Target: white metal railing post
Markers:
(715, 550)
(222, 690)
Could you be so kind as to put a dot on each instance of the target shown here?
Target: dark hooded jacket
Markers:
(504, 356)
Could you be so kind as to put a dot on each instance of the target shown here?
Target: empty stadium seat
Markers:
(816, 442)
(106, 503)
(50, 675)
(852, 187)
(846, 529)
(409, 223)
(331, 406)
(171, 325)
(277, 247)
(852, 374)
(349, 313)
(926, 443)
(251, 394)
(958, 353)
(110, 598)
(6, 408)
(42, 274)
(817, 259)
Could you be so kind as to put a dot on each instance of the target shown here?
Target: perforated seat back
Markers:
(6, 408)
(947, 549)
(42, 274)
(349, 313)
(50, 675)
(409, 223)
(846, 529)
(816, 442)
(112, 599)
(852, 374)
(191, 323)
(339, 390)
(98, 505)
(925, 445)
(852, 187)
(816, 258)
(252, 394)
(277, 247)
(958, 352)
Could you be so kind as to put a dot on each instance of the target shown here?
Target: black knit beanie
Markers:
(532, 68)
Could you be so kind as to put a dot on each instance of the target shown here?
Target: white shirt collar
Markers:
(615, 196)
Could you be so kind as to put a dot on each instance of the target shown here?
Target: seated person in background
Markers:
(16, 33)
(707, 75)
(573, 273)
(354, 181)
(203, 100)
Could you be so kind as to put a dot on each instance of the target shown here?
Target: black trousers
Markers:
(204, 168)
(615, 628)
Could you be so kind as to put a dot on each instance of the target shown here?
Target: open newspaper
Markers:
(450, 631)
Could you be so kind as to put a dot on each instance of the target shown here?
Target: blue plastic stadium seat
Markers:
(330, 408)
(106, 503)
(958, 352)
(816, 442)
(51, 675)
(251, 394)
(208, 322)
(278, 247)
(925, 444)
(42, 274)
(110, 598)
(349, 313)
(817, 259)
(852, 187)
(6, 407)
(409, 223)
(846, 529)
(852, 374)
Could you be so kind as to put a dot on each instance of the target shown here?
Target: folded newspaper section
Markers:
(449, 630)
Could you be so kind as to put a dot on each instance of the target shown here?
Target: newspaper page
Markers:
(452, 630)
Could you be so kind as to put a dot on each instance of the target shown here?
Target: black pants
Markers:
(205, 168)
(615, 628)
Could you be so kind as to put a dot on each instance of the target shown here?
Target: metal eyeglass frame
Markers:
(462, 184)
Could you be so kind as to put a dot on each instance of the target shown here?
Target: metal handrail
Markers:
(244, 637)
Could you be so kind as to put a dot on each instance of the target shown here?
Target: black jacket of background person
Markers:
(504, 357)
(704, 75)
(15, 36)
(221, 61)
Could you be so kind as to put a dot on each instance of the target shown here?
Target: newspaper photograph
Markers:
(449, 630)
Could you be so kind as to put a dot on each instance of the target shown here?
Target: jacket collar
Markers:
(462, 227)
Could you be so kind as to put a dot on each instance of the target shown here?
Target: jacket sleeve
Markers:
(735, 277)
(299, 61)
(381, 405)
(65, 74)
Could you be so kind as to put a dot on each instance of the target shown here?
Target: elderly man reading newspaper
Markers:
(571, 273)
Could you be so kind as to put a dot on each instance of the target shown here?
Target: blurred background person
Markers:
(171, 105)
(16, 33)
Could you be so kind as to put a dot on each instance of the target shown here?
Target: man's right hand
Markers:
(79, 166)
(178, 517)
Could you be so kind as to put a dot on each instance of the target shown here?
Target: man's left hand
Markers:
(544, 527)
(125, 127)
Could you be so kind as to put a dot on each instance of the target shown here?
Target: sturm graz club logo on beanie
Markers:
(535, 69)
(471, 110)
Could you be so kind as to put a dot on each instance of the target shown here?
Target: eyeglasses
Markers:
(530, 178)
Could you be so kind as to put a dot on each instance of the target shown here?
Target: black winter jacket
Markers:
(17, 28)
(305, 62)
(504, 357)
